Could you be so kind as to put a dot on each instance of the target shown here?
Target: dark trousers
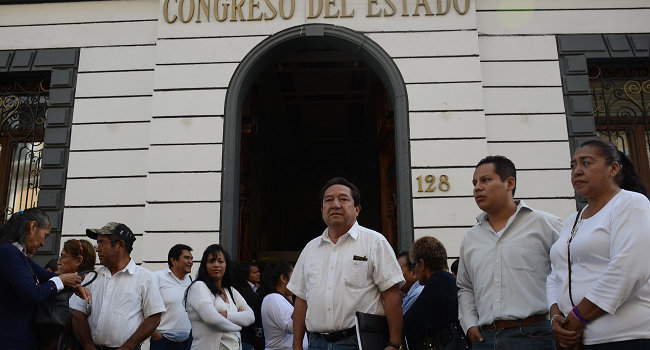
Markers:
(537, 336)
(318, 343)
(166, 344)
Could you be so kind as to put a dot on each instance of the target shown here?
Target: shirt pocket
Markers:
(355, 275)
(521, 258)
(313, 272)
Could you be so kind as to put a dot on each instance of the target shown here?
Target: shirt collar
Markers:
(129, 268)
(483, 217)
(171, 273)
(254, 286)
(414, 287)
(20, 247)
(353, 232)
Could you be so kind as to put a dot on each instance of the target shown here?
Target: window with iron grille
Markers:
(23, 103)
(621, 100)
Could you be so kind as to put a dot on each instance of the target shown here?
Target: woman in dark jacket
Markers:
(246, 276)
(24, 282)
(432, 322)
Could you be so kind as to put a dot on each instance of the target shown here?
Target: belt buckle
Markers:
(492, 325)
(333, 336)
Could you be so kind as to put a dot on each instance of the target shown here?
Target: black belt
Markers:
(338, 335)
(505, 324)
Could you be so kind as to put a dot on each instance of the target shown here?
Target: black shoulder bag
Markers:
(51, 315)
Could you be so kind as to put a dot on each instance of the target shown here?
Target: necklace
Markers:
(576, 227)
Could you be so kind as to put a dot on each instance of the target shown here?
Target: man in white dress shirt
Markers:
(174, 330)
(504, 262)
(348, 268)
(126, 304)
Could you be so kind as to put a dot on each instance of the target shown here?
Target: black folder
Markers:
(372, 331)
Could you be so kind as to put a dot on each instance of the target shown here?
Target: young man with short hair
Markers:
(504, 262)
(173, 333)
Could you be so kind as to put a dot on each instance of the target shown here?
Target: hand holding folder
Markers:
(372, 331)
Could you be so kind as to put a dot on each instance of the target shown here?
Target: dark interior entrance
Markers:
(309, 116)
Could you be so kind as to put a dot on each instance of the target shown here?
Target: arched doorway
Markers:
(244, 185)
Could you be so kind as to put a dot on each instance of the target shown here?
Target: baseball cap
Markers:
(113, 228)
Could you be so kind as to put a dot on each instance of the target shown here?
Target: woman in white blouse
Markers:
(277, 307)
(216, 311)
(599, 287)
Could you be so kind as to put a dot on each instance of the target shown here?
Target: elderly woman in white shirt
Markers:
(277, 307)
(599, 287)
(216, 311)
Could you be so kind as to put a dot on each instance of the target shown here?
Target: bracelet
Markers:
(576, 313)
(553, 318)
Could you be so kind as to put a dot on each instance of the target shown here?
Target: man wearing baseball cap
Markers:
(127, 305)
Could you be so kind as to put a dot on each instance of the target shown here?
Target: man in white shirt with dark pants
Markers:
(504, 262)
(347, 268)
(126, 304)
(174, 330)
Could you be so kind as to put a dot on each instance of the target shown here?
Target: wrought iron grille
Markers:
(23, 103)
(621, 100)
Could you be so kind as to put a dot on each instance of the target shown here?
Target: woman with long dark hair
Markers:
(599, 287)
(277, 307)
(216, 311)
(25, 283)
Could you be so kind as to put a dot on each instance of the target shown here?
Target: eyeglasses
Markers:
(101, 244)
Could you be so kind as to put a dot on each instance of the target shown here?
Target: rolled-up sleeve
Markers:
(387, 271)
(76, 303)
(152, 300)
(79, 304)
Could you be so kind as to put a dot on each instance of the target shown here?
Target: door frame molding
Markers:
(61, 66)
(316, 36)
(574, 51)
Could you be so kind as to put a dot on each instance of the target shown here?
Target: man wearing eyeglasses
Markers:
(348, 268)
(126, 305)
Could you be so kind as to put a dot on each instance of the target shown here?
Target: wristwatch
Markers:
(396, 346)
